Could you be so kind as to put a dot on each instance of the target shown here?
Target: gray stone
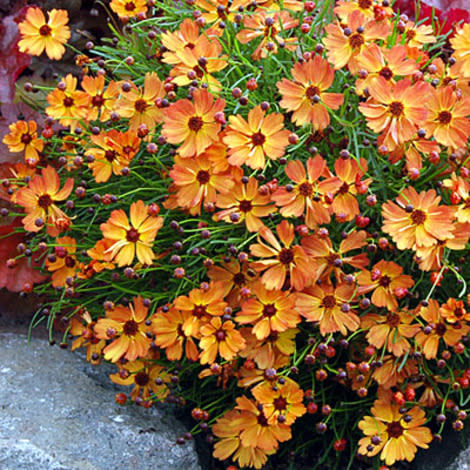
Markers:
(54, 415)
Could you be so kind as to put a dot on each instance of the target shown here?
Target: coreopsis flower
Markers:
(417, 219)
(138, 104)
(250, 142)
(396, 110)
(418, 36)
(460, 42)
(39, 35)
(274, 5)
(83, 327)
(126, 327)
(386, 281)
(281, 402)
(271, 28)
(68, 105)
(460, 196)
(391, 330)
(269, 311)
(307, 97)
(132, 237)
(215, 11)
(186, 36)
(196, 182)
(193, 124)
(329, 307)
(437, 328)
(100, 259)
(371, 9)
(113, 152)
(128, 8)
(454, 311)
(398, 438)
(245, 203)
(102, 101)
(283, 260)
(65, 264)
(219, 338)
(305, 196)
(343, 45)
(39, 200)
(328, 260)
(23, 137)
(448, 119)
(395, 371)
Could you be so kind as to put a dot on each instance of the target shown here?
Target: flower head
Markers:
(23, 137)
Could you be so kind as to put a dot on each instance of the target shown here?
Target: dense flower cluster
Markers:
(260, 210)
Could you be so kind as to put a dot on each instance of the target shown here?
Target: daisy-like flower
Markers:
(418, 36)
(391, 373)
(138, 105)
(82, 326)
(63, 264)
(460, 42)
(246, 204)
(454, 311)
(250, 142)
(371, 9)
(329, 307)
(283, 260)
(417, 219)
(215, 11)
(193, 124)
(126, 327)
(128, 8)
(102, 101)
(387, 282)
(187, 36)
(39, 35)
(448, 117)
(268, 311)
(39, 200)
(132, 237)
(395, 437)
(396, 110)
(23, 137)
(306, 96)
(460, 195)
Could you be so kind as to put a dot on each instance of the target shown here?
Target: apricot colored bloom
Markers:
(305, 197)
(396, 110)
(392, 373)
(128, 8)
(219, 338)
(132, 237)
(126, 327)
(386, 281)
(460, 195)
(244, 203)
(196, 182)
(418, 36)
(193, 124)
(371, 9)
(448, 117)
(268, 311)
(417, 219)
(39, 35)
(215, 11)
(23, 137)
(275, 5)
(250, 142)
(39, 200)
(460, 42)
(67, 105)
(83, 326)
(282, 402)
(283, 260)
(390, 330)
(437, 328)
(454, 311)
(187, 36)
(138, 104)
(329, 307)
(306, 96)
(102, 101)
(398, 437)
(64, 263)
(328, 260)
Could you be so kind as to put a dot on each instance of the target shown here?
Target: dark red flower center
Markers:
(203, 176)
(393, 320)
(199, 310)
(395, 429)
(441, 329)
(140, 105)
(396, 108)
(130, 328)
(110, 155)
(68, 102)
(26, 139)
(410, 34)
(269, 310)
(45, 30)
(356, 40)
(386, 73)
(329, 301)
(418, 217)
(306, 189)
(239, 279)
(286, 256)
(445, 117)
(97, 101)
(258, 138)
(44, 201)
(385, 281)
(129, 6)
(220, 335)
(245, 206)
(195, 123)
(344, 188)
(280, 403)
(70, 261)
(332, 258)
(132, 235)
(364, 4)
(262, 421)
(141, 378)
(312, 91)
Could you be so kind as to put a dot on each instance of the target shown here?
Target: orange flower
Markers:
(397, 438)
(215, 11)
(245, 203)
(268, 311)
(138, 105)
(128, 8)
(23, 137)
(417, 219)
(193, 124)
(417, 36)
(38, 35)
(371, 9)
(329, 307)
(102, 102)
(187, 36)
(251, 142)
(283, 260)
(306, 96)
(126, 327)
(63, 264)
(460, 42)
(454, 311)
(387, 282)
(39, 200)
(396, 110)
(134, 237)
(392, 373)
(83, 327)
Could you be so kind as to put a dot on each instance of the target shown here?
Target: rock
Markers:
(54, 415)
